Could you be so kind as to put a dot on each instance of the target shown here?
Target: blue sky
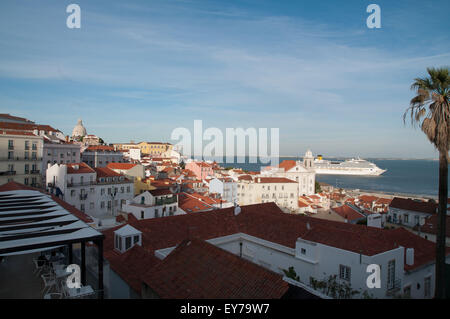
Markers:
(138, 69)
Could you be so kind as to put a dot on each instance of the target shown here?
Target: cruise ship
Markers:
(352, 166)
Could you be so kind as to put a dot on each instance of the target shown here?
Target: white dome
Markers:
(79, 130)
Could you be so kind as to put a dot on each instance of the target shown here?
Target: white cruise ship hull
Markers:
(342, 171)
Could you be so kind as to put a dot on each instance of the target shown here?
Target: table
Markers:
(60, 271)
(79, 292)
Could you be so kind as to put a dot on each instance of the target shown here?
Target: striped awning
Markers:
(31, 220)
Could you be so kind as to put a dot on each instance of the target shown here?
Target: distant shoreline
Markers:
(390, 194)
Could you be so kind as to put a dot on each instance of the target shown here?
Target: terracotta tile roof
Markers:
(106, 172)
(268, 222)
(245, 178)
(197, 269)
(368, 198)
(122, 166)
(26, 127)
(270, 180)
(302, 204)
(11, 117)
(79, 168)
(383, 201)
(9, 132)
(348, 213)
(192, 204)
(412, 205)
(131, 265)
(287, 164)
(430, 226)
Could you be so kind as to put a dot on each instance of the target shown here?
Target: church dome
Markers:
(79, 130)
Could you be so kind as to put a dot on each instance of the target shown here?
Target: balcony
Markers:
(20, 159)
(35, 171)
(8, 173)
(166, 201)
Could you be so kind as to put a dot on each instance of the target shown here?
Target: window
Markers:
(72, 193)
(34, 146)
(10, 144)
(391, 274)
(118, 243)
(91, 205)
(26, 155)
(102, 205)
(142, 214)
(82, 207)
(127, 243)
(27, 169)
(102, 191)
(128, 189)
(135, 239)
(427, 287)
(27, 145)
(303, 251)
(10, 155)
(406, 218)
(344, 272)
(33, 155)
(25, 181)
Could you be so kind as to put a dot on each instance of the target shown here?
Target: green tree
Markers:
(317, 188)
(290, 273)
(430, 110)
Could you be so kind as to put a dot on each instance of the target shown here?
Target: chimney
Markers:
(410, 256)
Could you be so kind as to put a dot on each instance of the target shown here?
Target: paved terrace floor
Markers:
(17, 280)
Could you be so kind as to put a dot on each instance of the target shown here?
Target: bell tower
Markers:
(308, 160)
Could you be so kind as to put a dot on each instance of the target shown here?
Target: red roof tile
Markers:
(348, 213)
(197, 269)
(412, 205)
(123, 166)
(79, 168)
(287, 164)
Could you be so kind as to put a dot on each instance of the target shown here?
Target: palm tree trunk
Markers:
(441, 225)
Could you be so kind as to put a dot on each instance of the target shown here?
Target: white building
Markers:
(226, 187)
(99, 192)
(153, 204)
(20, 157)
(316, 249)
(59, 152)
(409, 212)
(101, 156)
(301, 172)
(281, 190)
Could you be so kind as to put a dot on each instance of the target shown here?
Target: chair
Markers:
(49, 282)
(39, 268)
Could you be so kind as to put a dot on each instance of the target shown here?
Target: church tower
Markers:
(308, 160)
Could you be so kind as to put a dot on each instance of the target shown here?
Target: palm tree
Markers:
(430, 109)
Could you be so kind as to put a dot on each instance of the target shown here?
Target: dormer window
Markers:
(126, 237)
